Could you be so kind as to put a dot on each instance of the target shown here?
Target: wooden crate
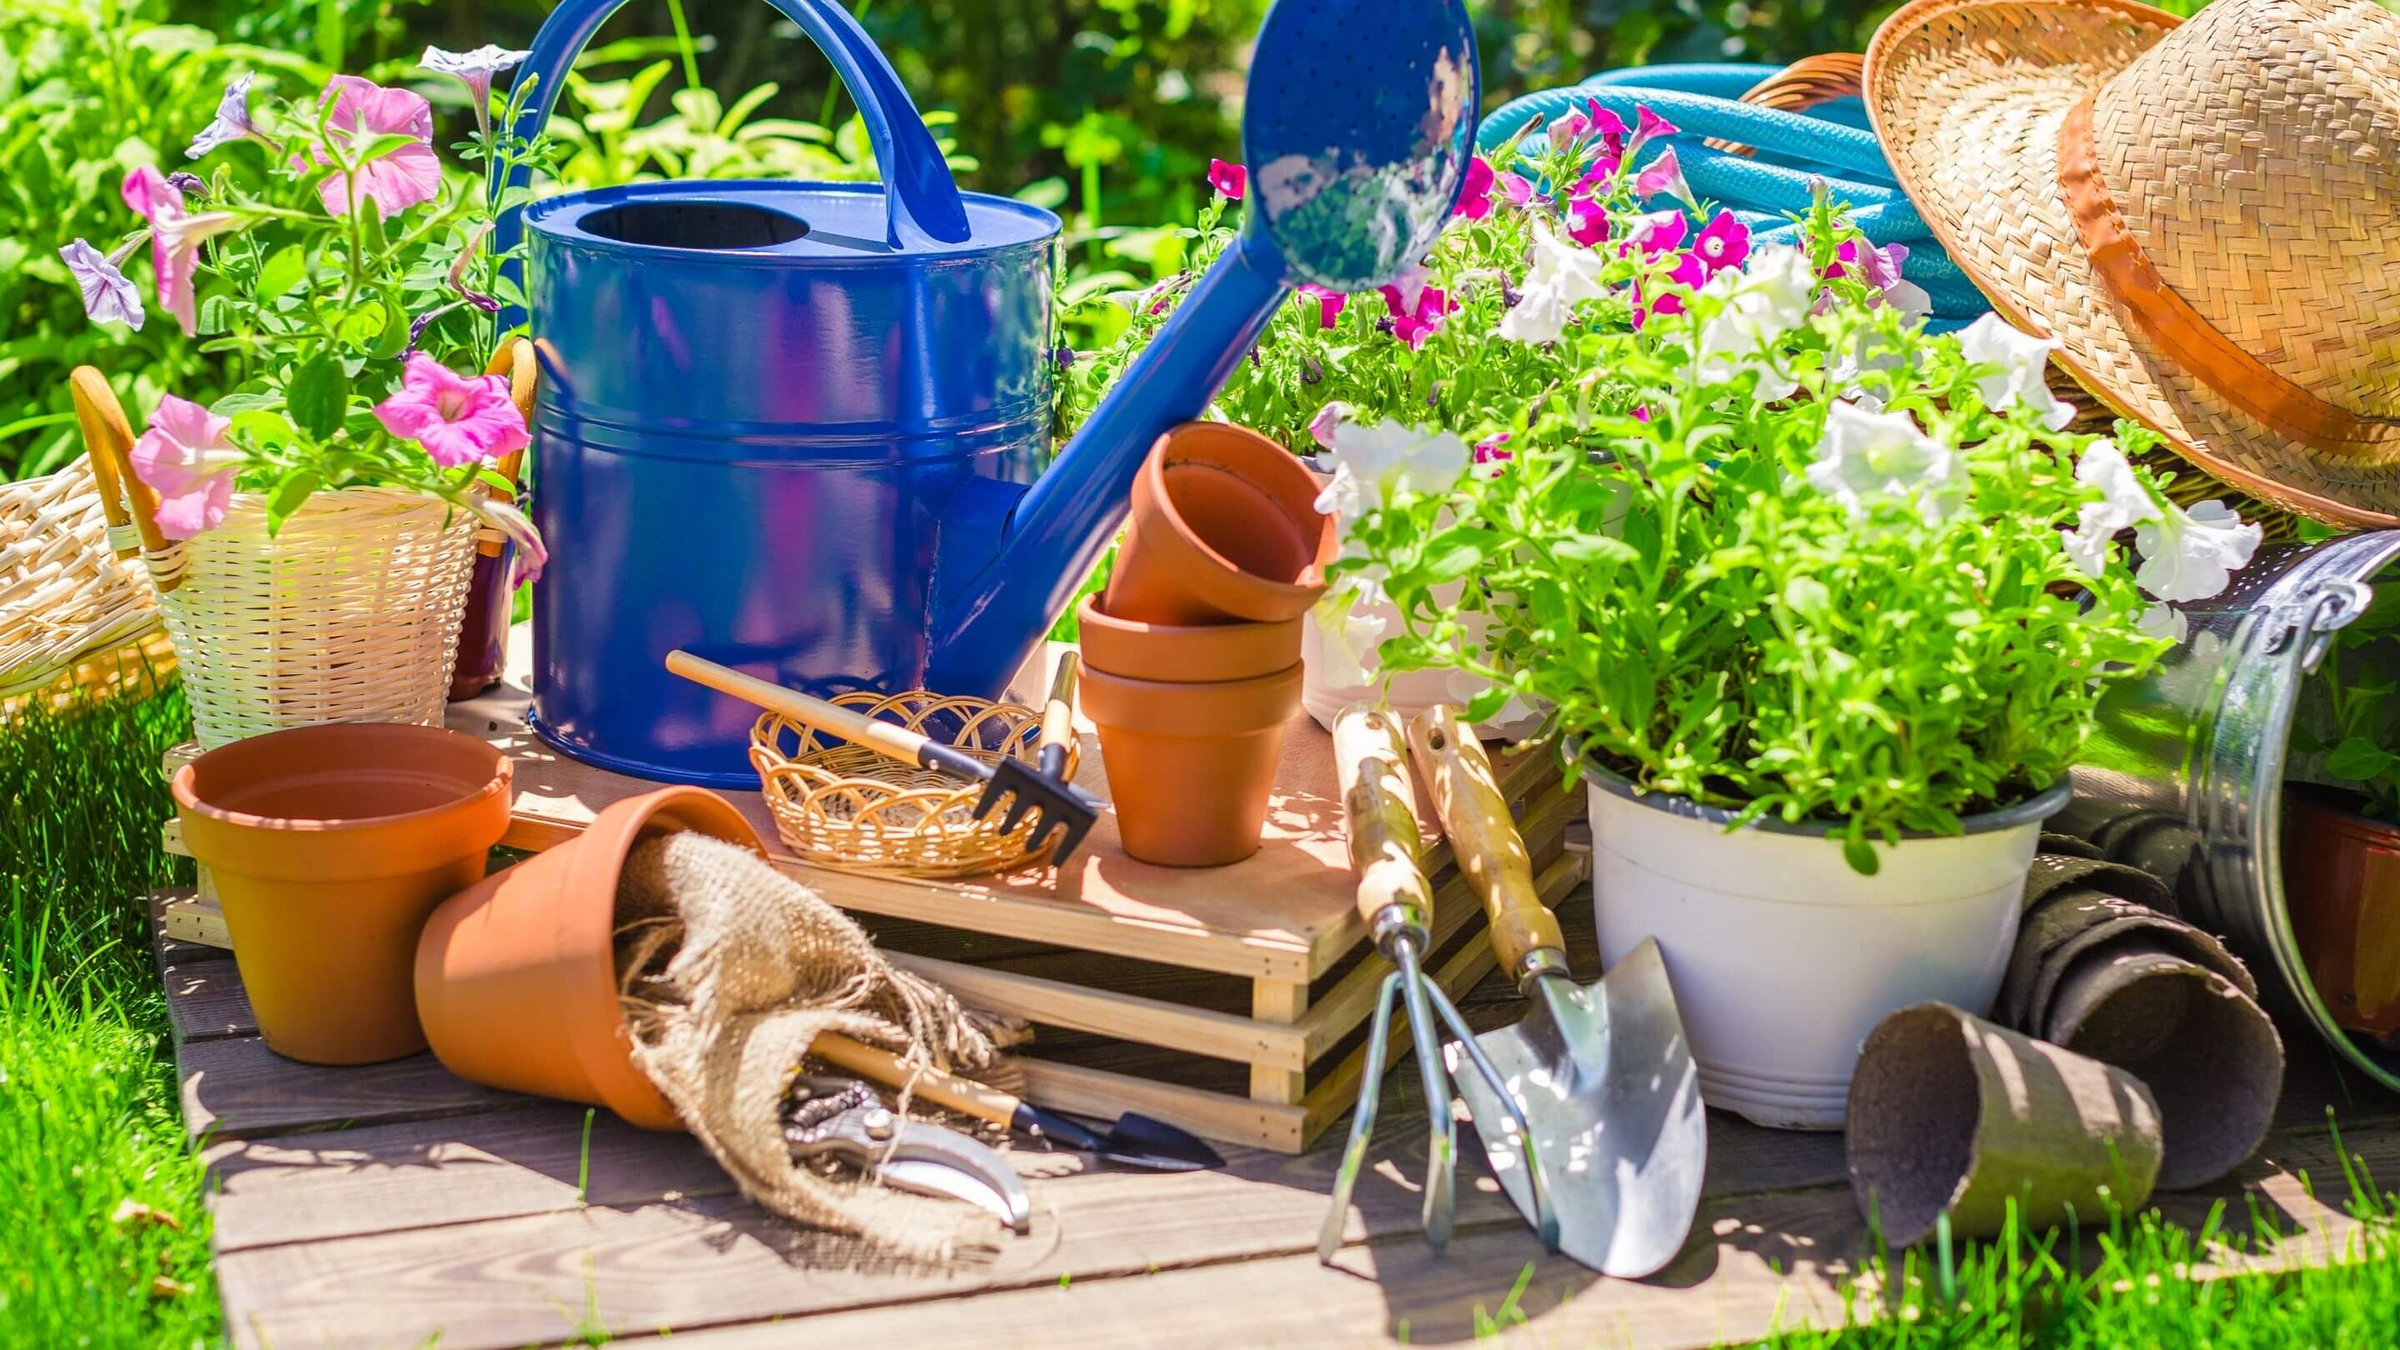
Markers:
(1229, 1000)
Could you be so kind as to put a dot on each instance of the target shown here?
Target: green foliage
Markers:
(2357, 687)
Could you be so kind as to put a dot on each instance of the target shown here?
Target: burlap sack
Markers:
(730, 970)
(1949, 1112)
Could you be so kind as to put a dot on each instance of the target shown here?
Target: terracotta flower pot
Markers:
(329, 846)
(1190, 765)
(517, 977)
(1185, 653)
(2342, 881)
(1224, 528)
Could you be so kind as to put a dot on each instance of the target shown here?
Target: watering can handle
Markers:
(921, 199)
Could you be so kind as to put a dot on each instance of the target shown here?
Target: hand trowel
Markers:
(1601, 1072)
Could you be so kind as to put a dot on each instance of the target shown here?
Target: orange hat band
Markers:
(2133, 281)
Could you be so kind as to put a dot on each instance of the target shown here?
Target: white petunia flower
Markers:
(2192, 555)
(1347, 638)
(2124, 503)
(2020, 363)
(1764, 302)
(1563, 273)
(2163, 621)
(1320, 427)
(474, 69)
(1870, 457)
(1516, 716)
(1371, 462)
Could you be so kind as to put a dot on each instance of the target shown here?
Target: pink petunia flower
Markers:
(458, 419)
(1230, 180)
(1517, 188)
(1490, 449)
(1568, 129)
(1587, 221)
(1650, 126)
(1321, 427)
(1656, 233)
(1663, 177)
(363, 112)
(186, 459)
(1329, 302)
(1414, 323)
(175, 239)
(1690, 272)
(1724, 243)
(1475, 199)
(1610, 126)
(1641, 412)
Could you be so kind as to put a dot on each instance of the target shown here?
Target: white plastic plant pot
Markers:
(1782, 957)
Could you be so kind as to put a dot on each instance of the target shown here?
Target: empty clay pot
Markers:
(1190, 766)
(517, 977)
(1184, 653)
(329, 846)
(1224, 528)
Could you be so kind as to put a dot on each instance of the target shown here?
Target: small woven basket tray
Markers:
(845, 807)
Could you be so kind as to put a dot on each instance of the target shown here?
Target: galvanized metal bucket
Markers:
(774, 417)
(2185, 776)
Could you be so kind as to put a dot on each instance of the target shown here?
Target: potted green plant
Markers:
(2341, 859)
(312, 533)
(1820, 604)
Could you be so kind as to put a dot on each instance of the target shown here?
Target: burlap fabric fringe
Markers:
(730, 970)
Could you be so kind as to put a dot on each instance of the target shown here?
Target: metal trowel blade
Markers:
(1607, 1084)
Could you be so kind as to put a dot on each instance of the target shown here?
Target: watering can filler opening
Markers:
(800, 429)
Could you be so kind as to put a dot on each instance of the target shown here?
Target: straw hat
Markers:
(2206, 216)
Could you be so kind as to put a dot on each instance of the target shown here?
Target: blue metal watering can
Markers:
(799, 429)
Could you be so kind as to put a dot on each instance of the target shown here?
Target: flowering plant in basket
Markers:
(1705, 496)
(324, 256)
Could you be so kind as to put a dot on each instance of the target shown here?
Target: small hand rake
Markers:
(1054, 803)
(1397, 904)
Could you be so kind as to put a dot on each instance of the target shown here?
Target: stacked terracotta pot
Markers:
(1191, 654)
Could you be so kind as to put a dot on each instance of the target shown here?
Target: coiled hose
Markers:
(1791, 150)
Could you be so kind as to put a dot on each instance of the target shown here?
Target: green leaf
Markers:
(362, 325)
(386, 144)
(1860, 854)
(394, 336)
(2359, 759)
(235, 404)
(319, 396)
(283, 270)
(290, 494)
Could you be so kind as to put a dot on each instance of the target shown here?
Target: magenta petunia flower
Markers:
(1517, 188)
(1690, 272)
(459, 420)
(1610, 126)
(1413, 323)
(1587, 221)
(1475, 199)
(1641, 412)
(1656, 233)
(186, 459)
(1650, 126)
(1230, 180)
(1491, 449)
(1329, 302)
(1724, 243)
(363, 112)
(1662, 177)
(175, 239)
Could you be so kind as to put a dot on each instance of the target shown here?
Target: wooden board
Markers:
(385, 1206)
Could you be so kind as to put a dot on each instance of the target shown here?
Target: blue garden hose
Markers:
(1830, 143)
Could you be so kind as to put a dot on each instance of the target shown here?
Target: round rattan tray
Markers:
(845, 807)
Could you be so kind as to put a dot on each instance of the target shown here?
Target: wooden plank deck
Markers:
(388, 1205)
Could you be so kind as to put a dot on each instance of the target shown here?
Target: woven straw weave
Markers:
(349, 614)
(65, 596)
(845, 807)
(2254, 153)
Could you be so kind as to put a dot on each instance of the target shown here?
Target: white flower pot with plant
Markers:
(311, 535)
(1822, 603)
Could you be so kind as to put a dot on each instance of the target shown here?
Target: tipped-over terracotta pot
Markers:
(517, 977)
(1224, 528)
(329, 846)
(1184, 653)
(1190, 765)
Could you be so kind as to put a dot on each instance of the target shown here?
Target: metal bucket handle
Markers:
(921, 199)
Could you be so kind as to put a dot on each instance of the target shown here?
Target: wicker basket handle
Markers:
(108, 442)
(1802, 85)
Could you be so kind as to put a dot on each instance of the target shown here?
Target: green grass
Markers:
(107, 1239)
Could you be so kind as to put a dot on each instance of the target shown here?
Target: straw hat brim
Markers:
(1968, 97)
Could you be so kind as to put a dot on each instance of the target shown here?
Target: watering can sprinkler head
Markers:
(1359, 122)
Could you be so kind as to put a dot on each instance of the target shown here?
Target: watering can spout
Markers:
(1064, 522)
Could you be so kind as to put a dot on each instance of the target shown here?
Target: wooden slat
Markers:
(170, 947)
(205, 1000)
(236, 1087)
(1104, 1012)
(1283, 1079)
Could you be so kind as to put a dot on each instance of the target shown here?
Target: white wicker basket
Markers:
(65, 595)
(348, 614)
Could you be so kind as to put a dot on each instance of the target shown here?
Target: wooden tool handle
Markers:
(883, 737)
(942, 1089)
(515, 359)
(1377, 810)
(1058, 715)
(1490, 852)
